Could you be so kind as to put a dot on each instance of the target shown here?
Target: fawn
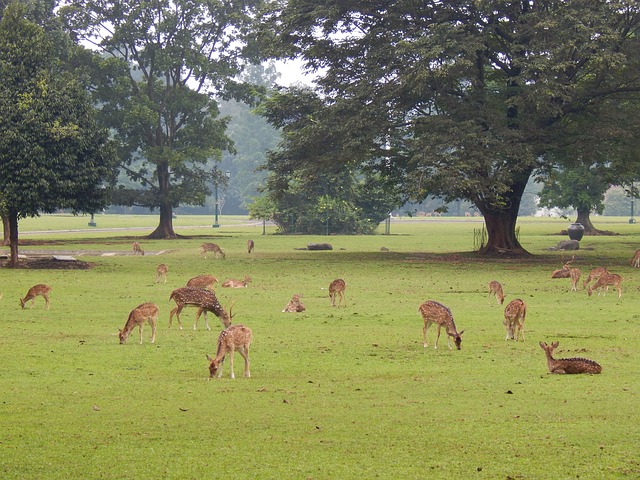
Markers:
(137, 249)
(231, 283)
(568, 365)
(337, 287)
(594, 274)
(496, 289)
(635, 261)
(40, 289)
(205, 300)
(161, 273)
(514, 315)
(232, 338)
(434, 312)
(146, 312)
(250, 246)
(603, 283)
(211, 247)
(203, 281)
(295, 305)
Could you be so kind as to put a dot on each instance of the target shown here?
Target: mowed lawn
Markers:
(334, 393)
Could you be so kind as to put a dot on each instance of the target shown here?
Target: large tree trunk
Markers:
(12, 218)
(585, 219)
(164, 230)
(5, 228)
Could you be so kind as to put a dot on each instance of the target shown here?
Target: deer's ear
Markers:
(209, 358)
(460, 333)
(555, 344)
(542, 344)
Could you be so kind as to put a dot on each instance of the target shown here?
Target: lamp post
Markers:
(92, 222)
(632, 220)
(217, 203)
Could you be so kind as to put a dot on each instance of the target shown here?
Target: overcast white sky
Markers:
(291, 72)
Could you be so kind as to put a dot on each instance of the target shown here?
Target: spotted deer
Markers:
(635, 261)
(605, 281)
(205, 300)
(495, 289)
(295, 305)
(250, 246)
(146, 312)
(514, 316)
(203, 281)
(235, 337)
(568, 365)
(594, 274)
(434, 312)
(137, 248)
(574, 273)
(161, 273)
(338, 287)
(40, 289)
(211, 247)
(231, 283)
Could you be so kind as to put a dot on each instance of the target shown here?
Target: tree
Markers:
(465, 99)
(163, 66)
(52, 152)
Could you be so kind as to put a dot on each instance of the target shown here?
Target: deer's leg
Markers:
(231, 355)
(206, 320)
(140, 327)
(424, 334)
(438, 337)
(178, 309)
(47, 304)
(153, 321)
(244, 351)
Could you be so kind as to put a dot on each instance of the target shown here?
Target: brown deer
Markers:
(605, 281)
(231, 283)
(514, 316)
(434, 312)
(232, 338)
(137, 249)
(496, 289)
(40, 289)
(211, 247)
(568, 365)
(574, 273)
(250, 246)
(565, 271)
(338, 287)
(205, 300)
(594, 274)
(203, 281)
(635, 261)
(161, 273)
(295, 305)
(146, 312)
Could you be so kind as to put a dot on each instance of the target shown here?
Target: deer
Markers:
(594, 274)
(603, 283)
(146, 312)
(496, 289)
(250, 246)
(211, 247)
(161, 273)
(203, 281)
(205, 300)
(568, 272)
(568, 365)
(295, 305)
(235, 337)
(338, 287)
(231, 283)
(40, 289)
(137, 249)
(514, 316)
(635, 261)
(434, 312)
(574, 273)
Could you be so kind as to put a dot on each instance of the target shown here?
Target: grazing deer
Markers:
(146, 312)
(232, 338)
(250, 246)
(295, 305)
(211, 247)
(40, 289)
(514, 315)
(568, 365)
(137, 249)
(434, 312)
(635, 261)
(496, 289)
(205, 300)
(231, 283)
(574, 273)
(337, 287)
(161, 273)
(603, 283)
(203, 281)
(594, 274)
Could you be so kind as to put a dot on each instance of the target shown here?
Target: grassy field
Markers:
(346, 393)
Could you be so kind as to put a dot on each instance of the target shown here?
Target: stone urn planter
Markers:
(575, 231)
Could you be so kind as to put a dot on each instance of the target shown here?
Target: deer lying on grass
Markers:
(338, 287)
(250, 246)
(211, 247)
(567, 272)
(605, 281)
(568, 365)
(40, 289)
(594, 274)
(635, 261)
(514, 316)
(137, 249)
(496, 289)
(146, 312)
(434, 312)
(236, 337)
(295, 305)
(231, 283)
(205, 300)
(161, 273)
(203, 281)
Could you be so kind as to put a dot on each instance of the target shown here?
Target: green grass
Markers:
(334, 393)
